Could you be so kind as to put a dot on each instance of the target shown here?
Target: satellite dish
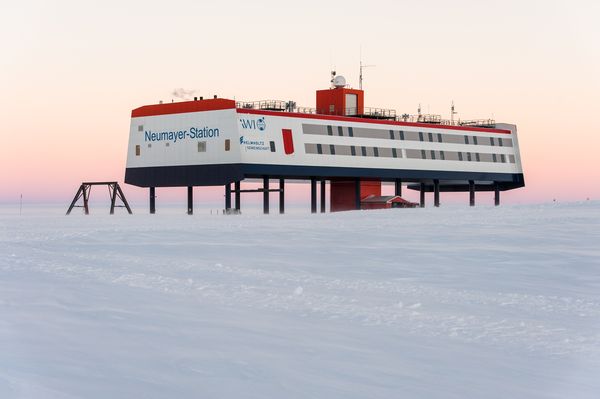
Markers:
(339, 81)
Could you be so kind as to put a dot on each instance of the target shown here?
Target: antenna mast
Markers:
(360, 75)
(452, 113)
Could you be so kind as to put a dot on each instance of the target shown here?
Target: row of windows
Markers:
(201, 146)
(347, 131)
(364, 151)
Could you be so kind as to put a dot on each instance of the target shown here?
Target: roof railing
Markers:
(368, 113)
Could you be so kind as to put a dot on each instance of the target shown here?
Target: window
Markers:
(140, 128)
(442, 156)
(340, 131)
(391, 134)
(401, 134)
(475, 140)
(492, 142)
(319, 149)
(363, 150)
(469, 156)
(439, 137)
(430, 136)
(466, 139)
(331, 108)
(137, 150)
(460, 158)
(494, 157)
(167, 144)
(149, 145)
(423, 154)
(432, 154)
(332, 149)
(394, 153)
(420, 136)
(329, 131)
(272, 144)
(227, 144)
(376, 151)
(500, 142)
(350, 132)
(202, 146)
(353, 150)
(477, 157)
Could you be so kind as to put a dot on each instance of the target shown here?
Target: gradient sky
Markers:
(71, 71)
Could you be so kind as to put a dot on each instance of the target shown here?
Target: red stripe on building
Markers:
(183, 107)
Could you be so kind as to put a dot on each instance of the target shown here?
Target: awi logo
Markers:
(254, 124)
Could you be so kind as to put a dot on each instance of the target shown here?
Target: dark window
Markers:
(227, 144)
(376, 151)
(460, 158)
(350, 132)
(439, 137)
(137, 150)
(500, 142)
(423, 155)
(392, 134)
(420, 136)
(363, 150)
(475, 140)
(140, 128)
(353, 150)
(432, 154)
(492, 142)
(469, 156)
(329, 131)
(466, 139)
(319, 149)
(503, 158)
(394, 153)
(401, 134)
(332, 149)
(202, 146)
(430, 135)
(272, 144)
(477, 157)
(442, 156)
(494, 158)
(340, 131)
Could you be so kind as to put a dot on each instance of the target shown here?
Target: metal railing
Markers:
(368, 113)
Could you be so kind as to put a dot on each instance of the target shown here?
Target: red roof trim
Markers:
(183, 107)
(365, 120)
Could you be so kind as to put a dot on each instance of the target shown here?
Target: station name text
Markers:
(192, 133)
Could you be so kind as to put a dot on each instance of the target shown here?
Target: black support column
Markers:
(238, 186)
(436, 193)
(152, 200)
(398, 187)
(313, 195)
(422, 195)
(322, 195)
(357, 194)
(281, 196)
(266, 195)
(190, 200)
(227, 197)
(496, 194)
(471, 193)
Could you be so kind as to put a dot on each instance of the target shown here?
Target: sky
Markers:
(72, 71)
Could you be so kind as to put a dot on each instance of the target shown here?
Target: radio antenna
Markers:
(360, 75)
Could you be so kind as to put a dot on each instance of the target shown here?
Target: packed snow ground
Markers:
(418, 303)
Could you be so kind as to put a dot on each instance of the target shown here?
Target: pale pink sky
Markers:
(71, 72)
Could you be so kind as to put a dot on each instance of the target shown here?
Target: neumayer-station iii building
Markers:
(209, 142)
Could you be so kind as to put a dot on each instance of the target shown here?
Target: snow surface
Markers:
(415, 303)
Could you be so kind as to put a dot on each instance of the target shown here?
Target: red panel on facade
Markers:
(342, 193)
(183, 107)
(288, 141)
